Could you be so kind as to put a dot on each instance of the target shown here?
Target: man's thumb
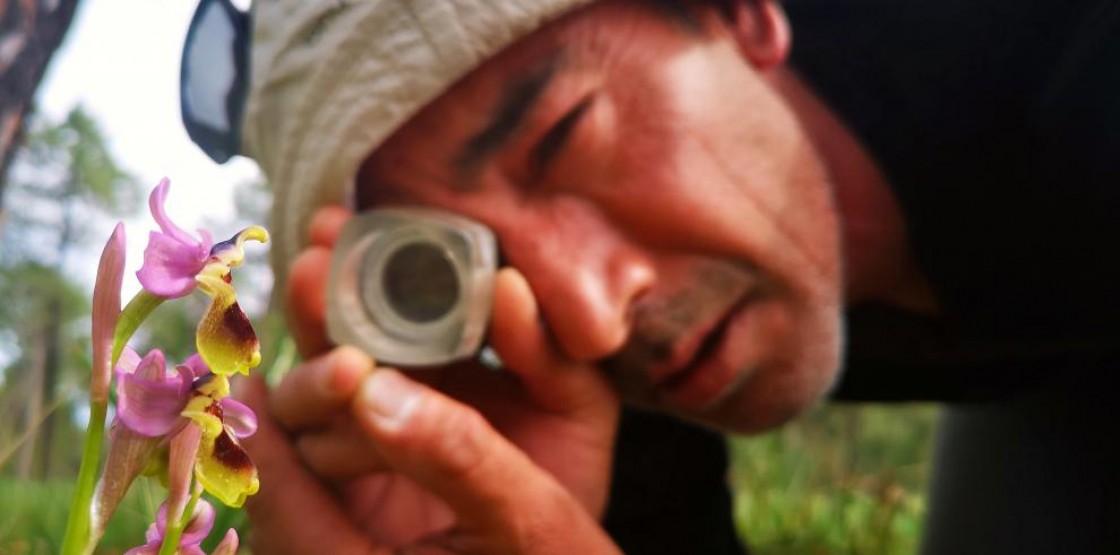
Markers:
(503, 500)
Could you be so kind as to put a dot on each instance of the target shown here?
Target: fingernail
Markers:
(390, 398)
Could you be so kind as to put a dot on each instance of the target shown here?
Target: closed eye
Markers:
(553, 142)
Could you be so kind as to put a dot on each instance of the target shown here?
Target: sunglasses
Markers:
(214, 77)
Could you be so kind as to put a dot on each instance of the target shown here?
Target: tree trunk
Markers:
(51, 370)
(33, 405)
(30, 33)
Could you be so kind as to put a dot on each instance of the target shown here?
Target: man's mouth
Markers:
(696, 377)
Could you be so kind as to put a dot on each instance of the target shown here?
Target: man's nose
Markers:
(586, 276)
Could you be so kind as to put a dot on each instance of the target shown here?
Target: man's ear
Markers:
(761, 29)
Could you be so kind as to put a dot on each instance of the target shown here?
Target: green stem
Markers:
(139, 308)
(175, 529)
(79, 538)
(78, 525)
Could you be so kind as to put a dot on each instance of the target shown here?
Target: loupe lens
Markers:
(412, 286)
(420, 282)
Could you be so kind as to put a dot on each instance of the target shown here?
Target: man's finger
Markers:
(316, 391)
(340, 453)
(289, 494)
(498, 493)
(326, 225)
(526, 349)
(307, 300)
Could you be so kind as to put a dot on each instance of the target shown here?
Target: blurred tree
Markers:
(42, 305)
(59, 182)
(30, 33)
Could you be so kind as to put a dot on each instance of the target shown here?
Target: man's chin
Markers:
(765, 399)
(771, 398)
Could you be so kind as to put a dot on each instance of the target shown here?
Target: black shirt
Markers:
(997, 125)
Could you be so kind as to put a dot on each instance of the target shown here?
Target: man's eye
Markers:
(554, 141)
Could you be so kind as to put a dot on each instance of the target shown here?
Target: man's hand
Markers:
(460, 459)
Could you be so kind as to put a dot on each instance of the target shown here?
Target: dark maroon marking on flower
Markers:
(229, 452)
(238, 323)
(226, 449)
(227, 277)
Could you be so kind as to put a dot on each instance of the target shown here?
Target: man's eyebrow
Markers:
(511, 112)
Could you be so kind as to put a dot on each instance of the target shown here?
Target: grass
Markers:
(33, 517)
(841, 480)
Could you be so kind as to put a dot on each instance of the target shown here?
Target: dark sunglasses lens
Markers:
(214, 78)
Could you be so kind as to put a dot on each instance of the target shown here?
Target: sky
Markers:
(120, 60)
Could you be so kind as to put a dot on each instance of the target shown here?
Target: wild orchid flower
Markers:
(223, 467)
(156, 404)
(175, 263)
(202, 520)
(180, 420)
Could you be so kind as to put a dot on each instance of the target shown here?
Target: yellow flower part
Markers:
(231, 253)
(215, 387)
(225, 339)
(223, 467)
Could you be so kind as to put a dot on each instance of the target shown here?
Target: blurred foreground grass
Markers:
(33, 517)
(841, 480)
(845, 479)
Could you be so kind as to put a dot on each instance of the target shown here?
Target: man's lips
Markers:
(687, 355)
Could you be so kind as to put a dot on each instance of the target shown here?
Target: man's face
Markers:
(660, 198)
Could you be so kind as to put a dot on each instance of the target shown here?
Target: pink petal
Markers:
(196, 366)
(106, 311)
(229, 544)
(170, 265)
(156, 201)
(238, 417)
(173, 257)
(197, 529)
(128, 361)
(180, 467)
(200, 525)
(152, 366)
(146, 549)
(149, 400)
(160, 524)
